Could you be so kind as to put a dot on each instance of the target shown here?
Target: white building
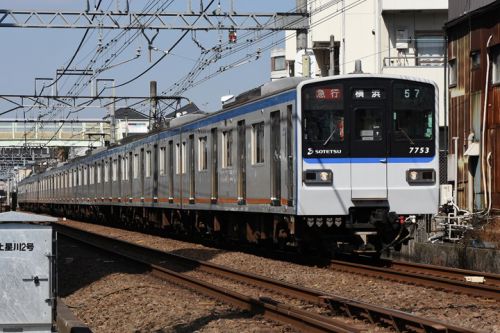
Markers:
(129, 122)
(388, 36)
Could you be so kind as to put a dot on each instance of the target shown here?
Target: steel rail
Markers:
(351, 308)
(490, 279)
(418, 278)
(303, 320)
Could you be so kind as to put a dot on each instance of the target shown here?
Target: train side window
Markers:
(114, 170)
(106, 172)
(148, 164)
(163, 160)
(177, 158)
(202, 154)
(183, 158)
(227, 149)
(136, 166)
(124, 168)
(258, 143)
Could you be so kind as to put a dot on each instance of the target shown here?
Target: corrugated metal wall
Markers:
(466, 99)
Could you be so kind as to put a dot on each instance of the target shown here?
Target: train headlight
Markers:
(421, 176)
(310, 221)
(319, 221)
(318, 177)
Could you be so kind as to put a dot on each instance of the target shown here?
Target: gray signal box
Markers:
(27, 272)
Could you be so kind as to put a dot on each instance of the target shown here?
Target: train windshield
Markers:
(323, 116)
(412, 115)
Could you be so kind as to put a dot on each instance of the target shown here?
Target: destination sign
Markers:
(330, 94)
(368, 93)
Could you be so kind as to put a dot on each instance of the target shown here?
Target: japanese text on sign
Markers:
(368, 93)
(21, 247)
(334, 94)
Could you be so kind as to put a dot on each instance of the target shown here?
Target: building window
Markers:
(452, 72)
(202, 154)
(278, 63)
(148, 164)
(163, 160)
(136, 166)
(429, 49)
(495, 65)
(227, 149)
(475, 59)
(258, 143)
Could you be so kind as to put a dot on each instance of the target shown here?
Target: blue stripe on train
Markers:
(341, 160)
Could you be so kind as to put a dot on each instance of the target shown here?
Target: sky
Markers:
(26, 54)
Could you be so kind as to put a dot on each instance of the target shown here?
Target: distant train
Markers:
(345, 163)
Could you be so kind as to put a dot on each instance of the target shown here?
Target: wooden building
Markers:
(473, 37)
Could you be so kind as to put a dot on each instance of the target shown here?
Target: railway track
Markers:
(437, 277)
(162, 265)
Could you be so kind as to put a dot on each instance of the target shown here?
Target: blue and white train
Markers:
(345, 163)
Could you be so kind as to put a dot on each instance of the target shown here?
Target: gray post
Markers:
(154, 104)
(301, 34)
(331, 71)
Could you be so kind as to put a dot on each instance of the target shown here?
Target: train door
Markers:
(155, 172)
(275, 150)
(242, 163)
(119, 171)
(215, 174)
(130, 171)
(192, 188)
(289, 154)
(368, 142)
(141, 172)
(170, 171)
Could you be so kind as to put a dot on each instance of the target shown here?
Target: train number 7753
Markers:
(419, 150)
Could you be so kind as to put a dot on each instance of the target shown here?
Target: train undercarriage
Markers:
(365, 232)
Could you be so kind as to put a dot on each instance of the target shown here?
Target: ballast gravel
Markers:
(461, 310)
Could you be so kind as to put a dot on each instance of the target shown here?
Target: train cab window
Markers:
(203, 154)
(258, 143)
(148, 164)
(368, 124)
(227, 149)
(413, 116)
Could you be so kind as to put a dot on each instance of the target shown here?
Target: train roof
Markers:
(250, 96)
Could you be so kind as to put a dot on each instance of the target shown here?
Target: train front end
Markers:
(367, 148)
